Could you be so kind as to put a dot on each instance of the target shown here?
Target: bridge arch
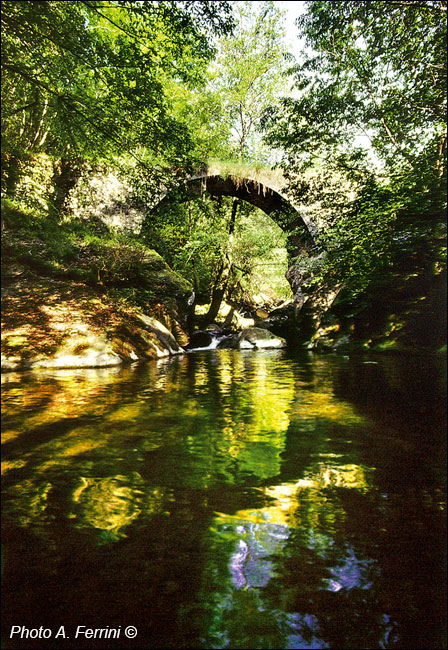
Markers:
(270, 201)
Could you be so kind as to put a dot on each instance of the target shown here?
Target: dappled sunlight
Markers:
(107, 504)
(61, 313)
(74, 325)
(7, 465)
(224, 312)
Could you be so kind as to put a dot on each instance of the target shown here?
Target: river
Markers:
(226, 499)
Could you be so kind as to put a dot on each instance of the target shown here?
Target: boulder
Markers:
(200, 339)
(162, 333)
(282, 322)
(253, 338)
(212, 327)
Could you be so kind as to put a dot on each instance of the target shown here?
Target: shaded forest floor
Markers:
(71, 288)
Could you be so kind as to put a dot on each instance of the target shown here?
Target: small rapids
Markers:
(199, 342)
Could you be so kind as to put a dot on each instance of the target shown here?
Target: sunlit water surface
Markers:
(227, 499)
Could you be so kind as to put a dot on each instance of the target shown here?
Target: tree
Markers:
(246, 76)
(376, 69)
(85, 80)
(248, 73)
(195, 239)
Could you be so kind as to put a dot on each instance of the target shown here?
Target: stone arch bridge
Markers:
(261, 191)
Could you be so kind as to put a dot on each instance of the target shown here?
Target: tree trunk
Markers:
(65, 177)
(235, 205)
(10, 174)
(218, 295)
(229, 317)
(222, 280)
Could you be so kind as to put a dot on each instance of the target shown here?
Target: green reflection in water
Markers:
(259, 540)
(231, 499)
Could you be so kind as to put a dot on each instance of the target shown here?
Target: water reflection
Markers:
(108, 504)
(304, 516)
(231, 499)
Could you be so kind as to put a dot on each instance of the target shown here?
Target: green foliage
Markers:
(82, 249)
(360, 243)
(373, 240)
(189, 235)
(194, 238)
(248, 73)
(86, 79)
(377, 70)
(203, 110)
(87, 82)
(259, 253)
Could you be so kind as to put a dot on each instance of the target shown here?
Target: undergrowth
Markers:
(86, 250)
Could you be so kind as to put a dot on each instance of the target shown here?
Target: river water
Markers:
(226, 499)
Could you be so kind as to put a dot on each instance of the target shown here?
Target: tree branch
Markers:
(419, 5)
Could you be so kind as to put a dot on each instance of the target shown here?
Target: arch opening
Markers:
(277, 207)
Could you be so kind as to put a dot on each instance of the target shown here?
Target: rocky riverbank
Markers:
(79, 295)
(55, 323)
(91, 299)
